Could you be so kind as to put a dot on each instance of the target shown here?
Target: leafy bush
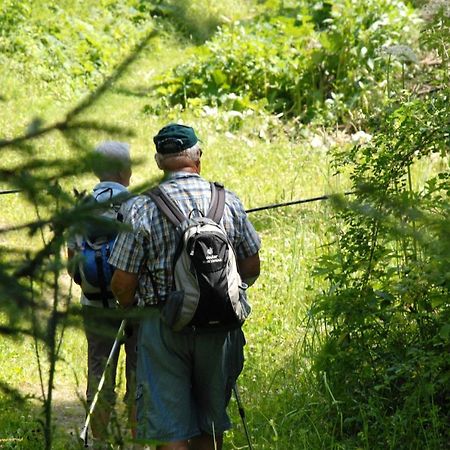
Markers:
(434, 38)
(386, 311)
(294, 63)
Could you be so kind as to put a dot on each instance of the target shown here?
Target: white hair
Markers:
(114, 157)
(192, 153)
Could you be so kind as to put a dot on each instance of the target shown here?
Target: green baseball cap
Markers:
(175, 138)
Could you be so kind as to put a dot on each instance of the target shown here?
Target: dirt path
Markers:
(68, 409)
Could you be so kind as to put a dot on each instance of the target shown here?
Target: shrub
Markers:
(386, 311)
(294, 63)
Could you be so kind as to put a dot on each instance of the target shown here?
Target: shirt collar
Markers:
(178, 175)
(116, 187)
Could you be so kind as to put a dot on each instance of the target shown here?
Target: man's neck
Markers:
(170, 173)
(188, 169)
(117, 180)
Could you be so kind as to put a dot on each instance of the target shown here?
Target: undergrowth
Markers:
(385, 311)
(318, 61)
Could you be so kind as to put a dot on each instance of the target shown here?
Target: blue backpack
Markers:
(94, 271)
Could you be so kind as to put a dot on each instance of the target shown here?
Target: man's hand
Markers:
(249, 268)
(124, 285)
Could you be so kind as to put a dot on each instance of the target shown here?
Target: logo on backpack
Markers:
(211, 257)
(208, 290)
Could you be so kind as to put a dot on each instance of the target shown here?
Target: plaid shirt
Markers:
(150, 247)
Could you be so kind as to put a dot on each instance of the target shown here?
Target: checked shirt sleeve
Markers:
(246, 240)
(129, 253)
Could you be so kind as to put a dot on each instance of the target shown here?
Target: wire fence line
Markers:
(297, 202)
(251, 210)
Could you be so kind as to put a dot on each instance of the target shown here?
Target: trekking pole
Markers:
(10, 191)
(242, 414)
(115, 347)
(295, 202)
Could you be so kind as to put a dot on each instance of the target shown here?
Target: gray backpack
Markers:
(208, 290)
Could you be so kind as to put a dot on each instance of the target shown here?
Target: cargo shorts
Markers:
(184, 380)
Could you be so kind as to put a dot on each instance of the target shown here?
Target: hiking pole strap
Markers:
(114, 349)
(217, 202)
(166, 205)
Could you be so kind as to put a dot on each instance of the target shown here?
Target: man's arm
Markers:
(70, 255)
(249, 268)
(73, 269)
(124, 285)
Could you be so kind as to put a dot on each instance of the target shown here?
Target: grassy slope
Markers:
(275, 387)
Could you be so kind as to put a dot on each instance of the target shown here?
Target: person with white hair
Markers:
(101, 317)
(184, 378)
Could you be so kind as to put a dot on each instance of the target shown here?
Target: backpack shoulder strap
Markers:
(101, 278)
(166, 205)
(217, 206)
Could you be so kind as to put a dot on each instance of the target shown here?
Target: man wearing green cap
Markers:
(185, 378)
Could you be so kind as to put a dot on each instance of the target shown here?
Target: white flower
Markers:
(316, 141)
(434, 7)
(210, 111)
(361, 137)
(403, 52)
(233, 113)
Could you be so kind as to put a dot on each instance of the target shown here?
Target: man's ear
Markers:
(157, 161)
(125, 176)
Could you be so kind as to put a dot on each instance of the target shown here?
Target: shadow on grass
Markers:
(21, 422)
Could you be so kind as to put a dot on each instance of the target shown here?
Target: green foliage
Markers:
(196, 20)
(306, 62)
(20, 430)
(64, 47)
(386, 310)
(434, 38)
(35, 271)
